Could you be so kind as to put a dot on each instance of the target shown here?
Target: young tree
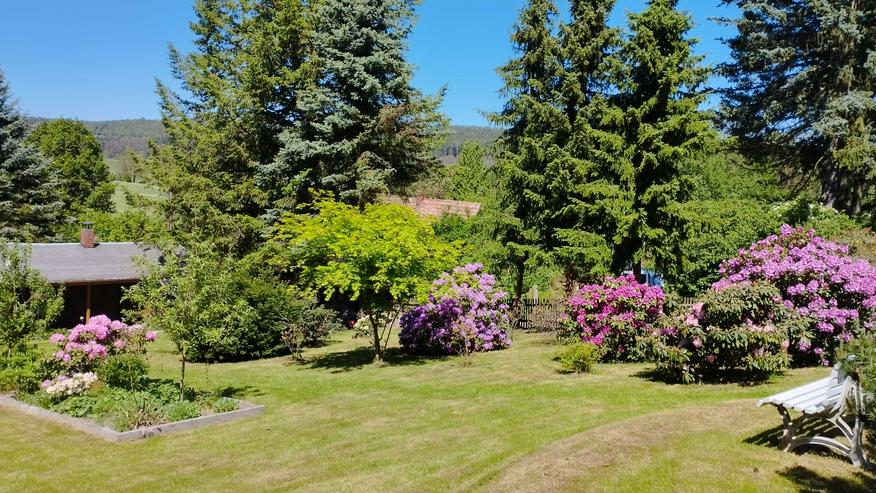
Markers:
(382, 257)
(362, 129)
(76, 154)
(469, 178)
(531, 117)
(802, 91)
(30, 206)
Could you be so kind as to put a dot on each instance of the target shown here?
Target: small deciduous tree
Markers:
(381, 257)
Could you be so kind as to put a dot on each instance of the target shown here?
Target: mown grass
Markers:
(506, 421)
(120, 199)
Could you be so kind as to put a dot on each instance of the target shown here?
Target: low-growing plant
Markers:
(464, 314)
(736, 333)
(579, 357)
(79, 406)
(126, 370)
(64, 386)
(614, 315)
(136, 410)
(224, 405)
(858, 358)
(181, 410)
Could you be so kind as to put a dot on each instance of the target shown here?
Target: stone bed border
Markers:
(246, 409)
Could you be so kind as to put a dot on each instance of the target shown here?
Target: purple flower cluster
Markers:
(464, 314)
(615, 314)
(832, 294)
(85, 346)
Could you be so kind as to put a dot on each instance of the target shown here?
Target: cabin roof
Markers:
(70, 263)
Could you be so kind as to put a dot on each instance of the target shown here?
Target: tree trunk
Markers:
(830, 185)
(518, 282)
(182, 377)
(637, 271)
(375, 333)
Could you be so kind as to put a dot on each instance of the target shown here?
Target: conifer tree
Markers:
(362, 129)
(649, 128)
(802, 91)
(533, 119)
(30, 206)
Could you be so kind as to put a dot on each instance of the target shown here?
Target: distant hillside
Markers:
(116, 136)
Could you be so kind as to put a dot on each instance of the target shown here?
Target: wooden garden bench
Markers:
(825, 400)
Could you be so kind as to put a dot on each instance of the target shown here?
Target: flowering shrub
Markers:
(465, 313)
(737, 333)
(66, 386)
(614, 314)
(86, 346)
(830, 294)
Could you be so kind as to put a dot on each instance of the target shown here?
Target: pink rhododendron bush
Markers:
(87, 346)
(830, 295)
(465, 313)
(614, 315)
(737, 333)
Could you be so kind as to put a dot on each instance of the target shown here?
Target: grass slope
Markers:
(505, 422)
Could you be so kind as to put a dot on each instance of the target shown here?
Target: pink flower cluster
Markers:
(615, 313)
(88, 344)
(831, 292)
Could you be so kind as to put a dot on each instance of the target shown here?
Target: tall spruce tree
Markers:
(649, 128)
(30, 206)
(240, 91)
(533, 119)
(363, 129)
(802, 91)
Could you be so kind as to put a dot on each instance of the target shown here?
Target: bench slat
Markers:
(789, 394)
(818, 401)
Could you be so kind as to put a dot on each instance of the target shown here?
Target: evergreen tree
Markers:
(648, 129)
(241, 88)
(30, 207)
(470, 180)
(363, 130)
(76, 153)
(802, 91)
(533, 119)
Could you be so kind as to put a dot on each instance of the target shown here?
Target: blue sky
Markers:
(98, 59)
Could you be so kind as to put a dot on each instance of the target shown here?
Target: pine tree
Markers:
(533, 119)
(240, 91)
(30, 207)
(802, 91)
(648, 129)
(363, 129)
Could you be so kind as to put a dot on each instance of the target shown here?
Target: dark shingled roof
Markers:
(70, 263)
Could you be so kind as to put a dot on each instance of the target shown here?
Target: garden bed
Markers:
(245, 409)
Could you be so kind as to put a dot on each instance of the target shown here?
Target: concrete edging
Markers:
(246, 409)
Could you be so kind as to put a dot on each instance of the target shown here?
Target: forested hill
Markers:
(116, 136)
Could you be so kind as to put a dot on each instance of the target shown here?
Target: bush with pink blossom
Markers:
(465, 313)
(614, 315)
(830, 295)
(737, 333)
(86, 346)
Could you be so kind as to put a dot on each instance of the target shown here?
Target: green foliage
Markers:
(579, 358)
(30, 204)
(125, 371)
(826, 221)
(469, 179)
(224, 405)
(128, 411)
(76, 154)
(717, 230)
(137, 224)
(727, 175)
(308, 326)
(737, 333)
(28, 307)
(858, 358)
(181, 410)
(79, 406)
(801, 92)
(381, 257)
(362, 128)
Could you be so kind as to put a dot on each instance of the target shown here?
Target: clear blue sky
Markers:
(98, 59)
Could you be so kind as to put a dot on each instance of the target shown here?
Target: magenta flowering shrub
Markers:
(86, 346)
(830, 294)
(465, 313)
(615, 314)
(736, 333)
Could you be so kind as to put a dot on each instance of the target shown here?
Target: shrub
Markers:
(224, 405)
(79, 406)
(308, 326)
(615, 314)
(579, 358)
(858, 357)
(64, 386)
(737, 333)
(464, 314)
(181, 410)
(830, 294)
(126, 371)
(85, 347)
(132, 410)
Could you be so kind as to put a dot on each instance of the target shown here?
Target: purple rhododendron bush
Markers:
(737, 333)
(614, 315)
(87, 346)
(465, 313)
(830, 294)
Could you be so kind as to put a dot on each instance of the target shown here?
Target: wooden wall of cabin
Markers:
(106, 299)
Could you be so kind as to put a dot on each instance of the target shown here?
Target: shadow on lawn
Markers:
(810, 481)
(728, 378)
(360, 357)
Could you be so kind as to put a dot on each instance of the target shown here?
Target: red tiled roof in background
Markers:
(437, 207)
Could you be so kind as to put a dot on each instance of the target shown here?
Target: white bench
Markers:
(826, 400)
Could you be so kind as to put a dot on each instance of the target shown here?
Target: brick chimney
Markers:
(86, 235)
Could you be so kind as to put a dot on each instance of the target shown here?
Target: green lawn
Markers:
(119, 199)
(505, 422)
